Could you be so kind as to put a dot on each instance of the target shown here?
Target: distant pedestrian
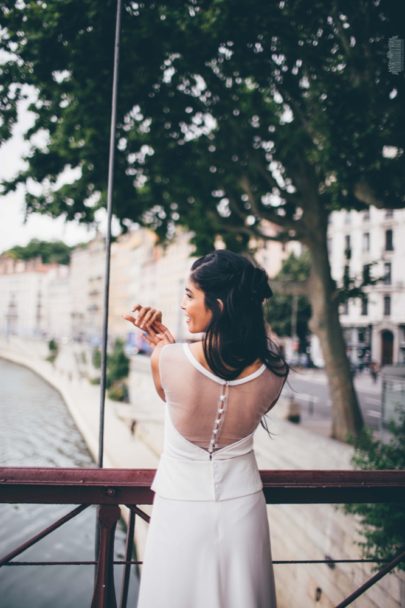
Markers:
(208, 541)
(374, 370)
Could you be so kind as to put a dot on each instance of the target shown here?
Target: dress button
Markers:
(221, 409)
(222, 397)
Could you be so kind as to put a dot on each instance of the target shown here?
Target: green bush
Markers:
(53, 349)
(117, 364)
(383, 525)
(53, 346)
(118, 392)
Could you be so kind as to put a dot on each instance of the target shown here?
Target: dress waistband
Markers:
(207, 480)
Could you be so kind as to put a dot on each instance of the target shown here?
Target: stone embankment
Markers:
(133, 438)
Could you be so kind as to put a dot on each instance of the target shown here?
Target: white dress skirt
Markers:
(208, 543)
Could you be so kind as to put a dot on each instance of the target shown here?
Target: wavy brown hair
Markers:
(236, 335)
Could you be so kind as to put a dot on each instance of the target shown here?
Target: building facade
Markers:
(371, 245)
(66, 302)
(86, 291)
(25, 297)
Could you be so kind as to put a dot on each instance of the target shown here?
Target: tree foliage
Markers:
(49, 251)
(383, 525)
(225, 115)
(229, 117)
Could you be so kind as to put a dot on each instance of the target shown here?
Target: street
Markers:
(310, 389)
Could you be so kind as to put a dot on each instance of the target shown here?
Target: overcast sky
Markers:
(13, 231)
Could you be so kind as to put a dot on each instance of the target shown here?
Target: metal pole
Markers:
(108, 233)
(111, 159)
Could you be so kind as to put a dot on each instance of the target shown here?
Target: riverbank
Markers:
(297, 531)
(36, 430)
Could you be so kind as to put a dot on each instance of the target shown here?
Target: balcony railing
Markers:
(110, 488)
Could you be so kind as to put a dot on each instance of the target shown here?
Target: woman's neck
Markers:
(198, 352)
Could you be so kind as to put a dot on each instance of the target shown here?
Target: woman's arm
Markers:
(156, 334)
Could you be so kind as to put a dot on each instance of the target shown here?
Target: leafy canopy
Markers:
(228, 115)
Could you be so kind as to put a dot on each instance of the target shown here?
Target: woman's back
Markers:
(208, 411)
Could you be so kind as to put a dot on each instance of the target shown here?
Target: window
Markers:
(387, 306)
(389, 213)
(346, 276)
(366, 273)
(366, 215)
(348, 251)
(361, 335)
(345, 307)
(366, 241)
(364, 305)
(387, 273)
(389, 240)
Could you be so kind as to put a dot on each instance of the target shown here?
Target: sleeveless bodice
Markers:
(211, 457)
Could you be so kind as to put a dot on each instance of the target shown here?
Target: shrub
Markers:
(53, 349)
(117, 364)
(118, 392)
(383, 525)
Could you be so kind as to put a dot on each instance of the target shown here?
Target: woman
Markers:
(208, 543)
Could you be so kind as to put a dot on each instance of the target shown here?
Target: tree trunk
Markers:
(347, 419)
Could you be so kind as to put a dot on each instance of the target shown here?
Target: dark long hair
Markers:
(236, 335)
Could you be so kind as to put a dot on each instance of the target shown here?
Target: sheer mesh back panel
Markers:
(208, 411)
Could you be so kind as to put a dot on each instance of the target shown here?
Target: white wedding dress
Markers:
(208, 544)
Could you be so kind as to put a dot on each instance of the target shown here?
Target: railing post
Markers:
(104, 590)
(128, 556)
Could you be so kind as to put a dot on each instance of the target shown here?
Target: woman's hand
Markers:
(149, 320)
(145, 316)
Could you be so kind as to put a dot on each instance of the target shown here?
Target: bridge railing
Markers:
(112, 488)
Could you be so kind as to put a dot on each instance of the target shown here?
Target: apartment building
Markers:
(371, 244)
(87, 266)
(33, 298)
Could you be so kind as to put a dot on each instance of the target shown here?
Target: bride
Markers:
(208, 544)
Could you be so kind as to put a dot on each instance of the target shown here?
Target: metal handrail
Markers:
(110, 488)
(132, 486)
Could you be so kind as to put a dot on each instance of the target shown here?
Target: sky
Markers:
(13, 231)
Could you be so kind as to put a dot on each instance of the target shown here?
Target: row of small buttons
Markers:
(221, 409)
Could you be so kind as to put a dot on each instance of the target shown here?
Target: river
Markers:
(36, 429)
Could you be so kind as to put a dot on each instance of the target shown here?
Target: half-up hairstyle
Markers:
(236, 335)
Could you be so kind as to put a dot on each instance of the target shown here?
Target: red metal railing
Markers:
(110, 488)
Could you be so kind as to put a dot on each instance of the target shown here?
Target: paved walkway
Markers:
(362, 380)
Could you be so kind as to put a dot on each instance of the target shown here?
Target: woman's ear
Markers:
(221, 304)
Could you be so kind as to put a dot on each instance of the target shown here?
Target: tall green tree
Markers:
(230, 116)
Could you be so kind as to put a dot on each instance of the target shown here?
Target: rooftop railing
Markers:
(112, 488)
